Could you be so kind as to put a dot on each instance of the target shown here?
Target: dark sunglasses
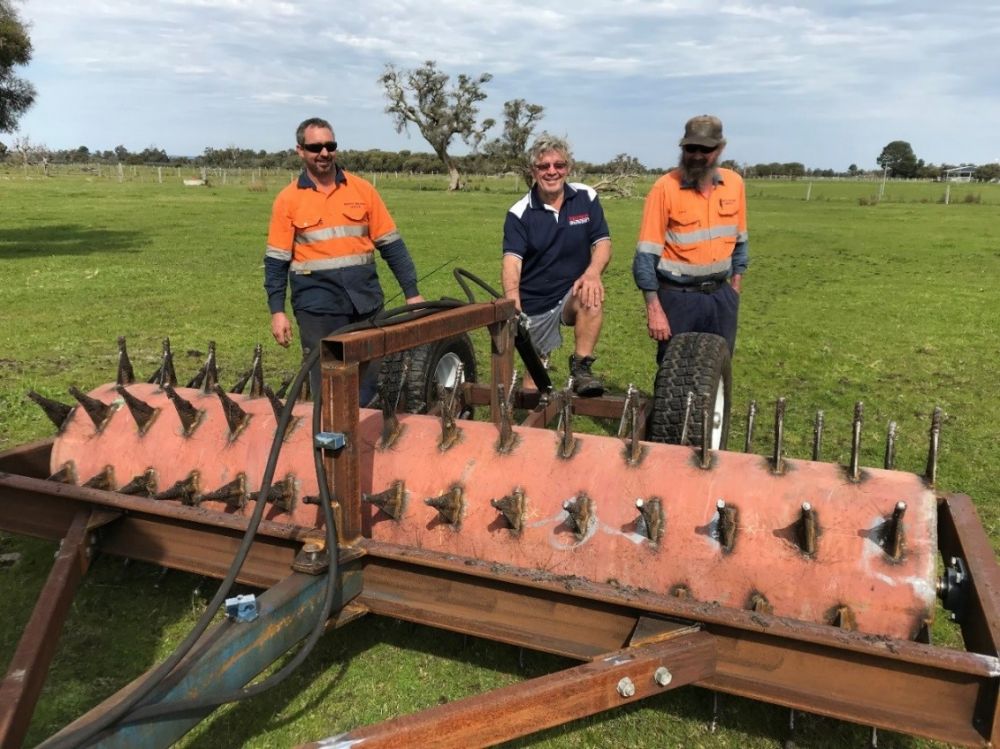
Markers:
(330, 146)
(692, 148)
(557, 165)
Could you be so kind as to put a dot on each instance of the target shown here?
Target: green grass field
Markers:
(893, 304)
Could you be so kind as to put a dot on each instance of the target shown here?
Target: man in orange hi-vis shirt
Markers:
(324, 231)
(693, 243)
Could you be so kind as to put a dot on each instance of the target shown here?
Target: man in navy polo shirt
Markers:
(556, 245)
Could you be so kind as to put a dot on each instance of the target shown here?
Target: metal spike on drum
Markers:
(257, 372)
(567, 440)
(208, 375)
(126, 374)
(854, 469)
(57, 412)
(98, 411)
(511, 507)
(104, 480)
(142, 412)
(449, 505)
(392, 501)
(165, 375)
(685, 425)
(777, 458)
(189, 415)
(751, 417)
(706, 436)
(236, 417)
(930, 474)
(890, 447)
(817, 435)
(141, 484)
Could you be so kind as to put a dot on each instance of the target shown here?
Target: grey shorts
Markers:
(544, 328)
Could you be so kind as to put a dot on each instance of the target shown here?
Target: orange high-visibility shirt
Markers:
(694, 235)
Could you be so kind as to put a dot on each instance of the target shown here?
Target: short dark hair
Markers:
(300, 131)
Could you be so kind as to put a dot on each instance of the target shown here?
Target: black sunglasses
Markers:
(692, 148)
(330, 146)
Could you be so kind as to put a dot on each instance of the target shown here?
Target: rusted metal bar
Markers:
(618, 678)
(898, 685)
(26, 674)
(501, 365)
(340, 382)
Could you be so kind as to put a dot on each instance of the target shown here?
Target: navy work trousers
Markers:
(690, 311)
(314, 328)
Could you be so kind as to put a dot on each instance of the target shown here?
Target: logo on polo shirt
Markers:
(580, 218)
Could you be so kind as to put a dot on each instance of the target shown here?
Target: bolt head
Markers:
(626, 688)
(662, 676)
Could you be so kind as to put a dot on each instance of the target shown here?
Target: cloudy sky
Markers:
(825, 83)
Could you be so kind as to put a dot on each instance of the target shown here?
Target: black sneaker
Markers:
(585, 384)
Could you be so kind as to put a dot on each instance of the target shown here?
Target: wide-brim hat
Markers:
(703, 130)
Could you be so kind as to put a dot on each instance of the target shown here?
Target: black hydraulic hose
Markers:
(174, 709)
(461, 274)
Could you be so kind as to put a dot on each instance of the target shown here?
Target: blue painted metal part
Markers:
(242, 608)
(330, 440)
(229, 656)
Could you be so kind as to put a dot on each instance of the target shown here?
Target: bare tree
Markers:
(510, 150)
(439, 112)
(16, 94)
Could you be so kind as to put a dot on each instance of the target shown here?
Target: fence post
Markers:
(947, 193)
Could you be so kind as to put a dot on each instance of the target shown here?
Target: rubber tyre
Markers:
(696, 363)
(429, 365)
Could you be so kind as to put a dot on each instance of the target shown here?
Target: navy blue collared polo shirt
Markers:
(554, 248)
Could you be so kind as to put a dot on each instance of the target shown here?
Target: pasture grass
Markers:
(893, 304)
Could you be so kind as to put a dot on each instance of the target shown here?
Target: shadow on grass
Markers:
(66, 239)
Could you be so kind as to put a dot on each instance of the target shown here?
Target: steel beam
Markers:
(615, 679)
(28, 668)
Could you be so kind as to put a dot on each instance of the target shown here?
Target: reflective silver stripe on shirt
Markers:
(702, 235)
(651, 247)
(743, 237)
(387, 238)
(278, 254)
(331, 232)
(332, 263)
(691, 269)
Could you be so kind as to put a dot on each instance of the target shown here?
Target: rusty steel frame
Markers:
(909, 687)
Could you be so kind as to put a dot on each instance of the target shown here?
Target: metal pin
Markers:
(580, 514)
(777, 459)
(751, 418)
(844, 618)
(66, 473)
(57, 412)
(283, 387)
(391, 428)
(511, 507)
(257, 372)
(189, 415)
(104, 479)
(890, 447)
(930, 474)
(241, 384)
(125, 375)
(760, 605)
(567, 441)
(97, 410)
(807, 529)
(165, 374)
(688, 408)
(507, 439)
(234, 494)
(282, 494)
(208, 375)
(854, 469)
(727, 524)
(817, 435)
(143, 483)
(449, 505)
(892, 539)
(142, 412)
(391, 501)
(449, 428)
(305, 393)
(706, 436)
(651, 521)
(236, 417)
(187, 490)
